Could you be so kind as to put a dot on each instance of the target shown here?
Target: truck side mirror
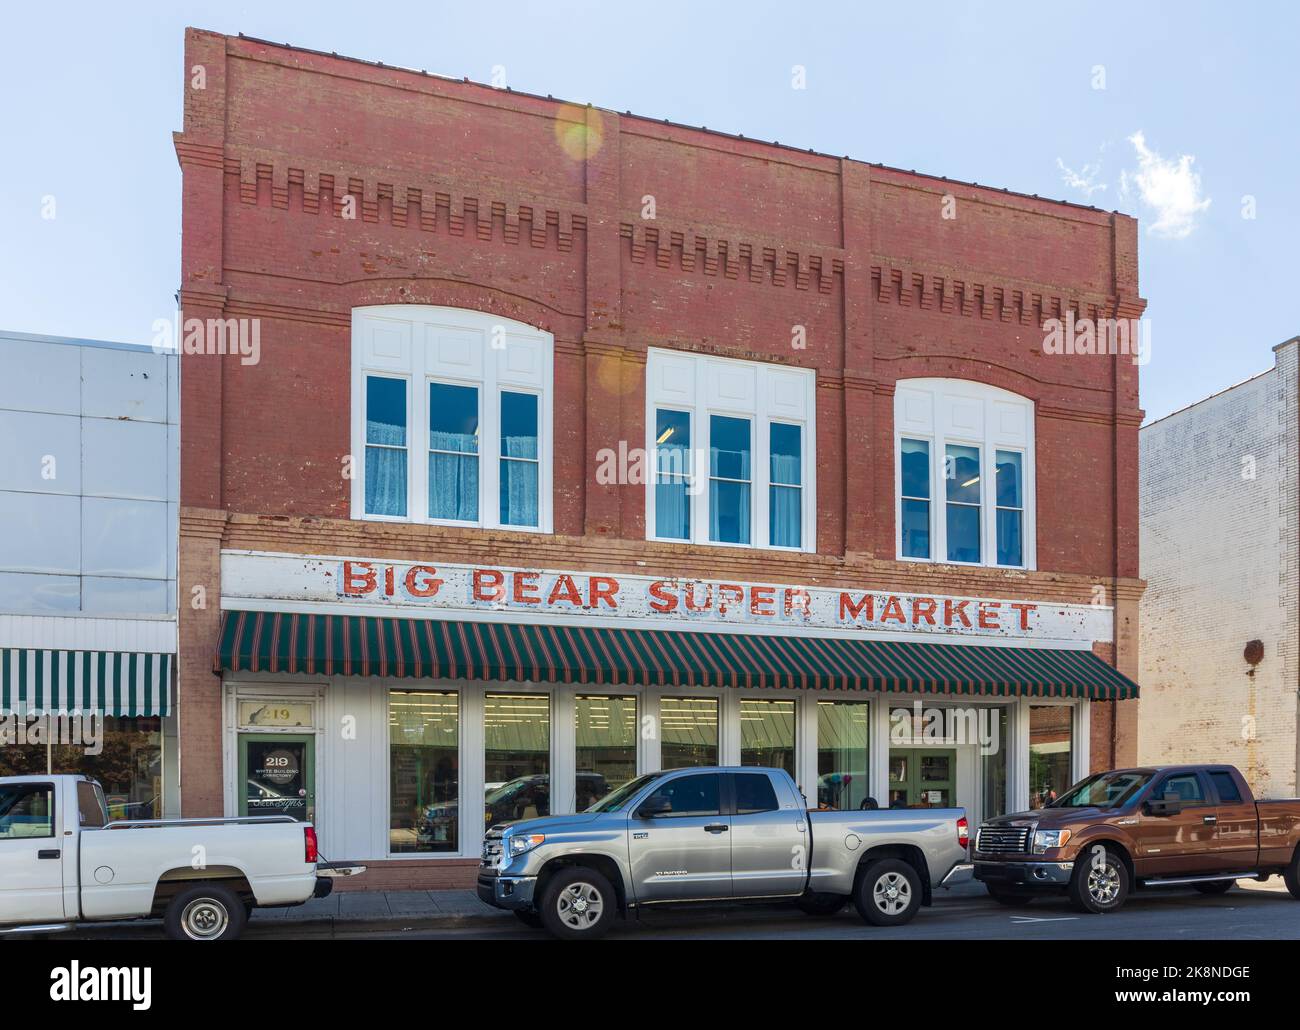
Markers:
(656, 804)
(1170, 804)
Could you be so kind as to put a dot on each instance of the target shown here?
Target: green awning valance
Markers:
(357, 645)
(37, 681)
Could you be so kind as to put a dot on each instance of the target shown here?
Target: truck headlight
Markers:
(1044, 839)
(525, 842)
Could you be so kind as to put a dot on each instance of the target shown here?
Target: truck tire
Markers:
(205, 912)
(1215, 886)
(529, 918)
(1010, 898)
(578, 904)
(1292, 876)
(817, 904)
(1100, 882)
(888, 893)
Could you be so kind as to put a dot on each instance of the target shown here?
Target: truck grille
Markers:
(1002, 840)
(491, 848)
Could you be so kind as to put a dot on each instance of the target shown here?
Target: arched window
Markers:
(964, 474)
(451, 418)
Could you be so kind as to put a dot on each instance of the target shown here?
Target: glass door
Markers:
(922, 778)
(277, 775)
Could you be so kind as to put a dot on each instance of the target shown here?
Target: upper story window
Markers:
(733, 445)
(964, 473)
(451, 418)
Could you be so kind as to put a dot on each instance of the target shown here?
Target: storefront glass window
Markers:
(453, 452)
(424, 771)
(1010, 507)
(914, 515)
(767, 734)
(1051, 748)
(672, 474)
(785, 501)
(842, 767)
(689, 732)
(23, 747)
(605, 738)
(729, 479)
(385, 446)
(516, 756)
(128, 765)
(519, 459)
(993, 768)
(962, 475)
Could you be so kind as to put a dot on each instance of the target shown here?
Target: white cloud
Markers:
(1170, 187)
(1084, 180)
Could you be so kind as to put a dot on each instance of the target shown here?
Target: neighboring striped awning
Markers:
(127, 683)
(355, 645)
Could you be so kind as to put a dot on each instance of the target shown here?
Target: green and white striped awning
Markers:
(37, 681)
(359, 645)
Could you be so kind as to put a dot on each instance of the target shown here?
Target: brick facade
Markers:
(1219, 549)
(531, 209)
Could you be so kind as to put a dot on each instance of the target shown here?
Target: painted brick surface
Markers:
(522, 206)
(1219, 550)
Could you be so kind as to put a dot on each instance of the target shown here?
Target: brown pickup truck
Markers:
(1118, 831)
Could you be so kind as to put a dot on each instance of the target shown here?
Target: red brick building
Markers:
(868, 484)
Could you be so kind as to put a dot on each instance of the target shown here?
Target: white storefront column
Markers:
(1081, 758)
(564, 757)
(805, 728)
(878, 751)
(1018, 767)
(729, 726)
(472, 741)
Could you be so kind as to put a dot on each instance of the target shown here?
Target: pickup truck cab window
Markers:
(26, 811)
(690, 796)
(754, 794)
(90, 802)
(1187, 786)
(1225, 786)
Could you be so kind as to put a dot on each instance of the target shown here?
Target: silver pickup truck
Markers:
(718, 835)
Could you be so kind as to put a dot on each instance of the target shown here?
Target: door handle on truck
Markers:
(1210, 820)
(48, 853)
(716, 828)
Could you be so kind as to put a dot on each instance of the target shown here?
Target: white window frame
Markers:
(425, 344)
(703, 385)
(965, 413)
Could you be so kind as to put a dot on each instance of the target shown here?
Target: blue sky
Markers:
(1199, 110)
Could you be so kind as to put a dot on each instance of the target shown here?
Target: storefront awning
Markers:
(36, 681)
(356, 645)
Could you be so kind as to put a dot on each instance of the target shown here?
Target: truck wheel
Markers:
(578, 904)
(817, 904)
(888, 893)
(1099, 883)
(529, 918)
(1215, 886)
(1292, 876)
(205, 913)
(1009, 898)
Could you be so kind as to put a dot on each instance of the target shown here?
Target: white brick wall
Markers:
(1219, 547)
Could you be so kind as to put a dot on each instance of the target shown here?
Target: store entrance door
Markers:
(277, 775)
(922, 777)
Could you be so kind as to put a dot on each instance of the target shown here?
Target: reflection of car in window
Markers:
(525, 797)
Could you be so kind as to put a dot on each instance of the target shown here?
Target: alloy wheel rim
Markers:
(1103, 884)
(580, 906)
(204, 919)
(892, 893)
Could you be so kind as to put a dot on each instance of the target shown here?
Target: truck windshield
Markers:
(1105, 790)
(616, 798)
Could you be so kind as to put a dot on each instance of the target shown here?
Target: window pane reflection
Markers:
(424, 771)
(516, 756)
(842, 767)
(688, 732)
(767, 734)
(605, 738)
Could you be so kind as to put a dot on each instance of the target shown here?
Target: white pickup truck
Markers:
(63, 862)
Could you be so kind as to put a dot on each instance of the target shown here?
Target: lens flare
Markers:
(579, 131)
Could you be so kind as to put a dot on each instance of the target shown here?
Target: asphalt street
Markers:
(1172, 914)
